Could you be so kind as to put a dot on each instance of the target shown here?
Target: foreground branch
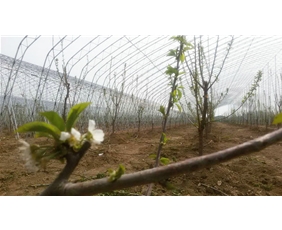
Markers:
(73, 159)
(157, 174)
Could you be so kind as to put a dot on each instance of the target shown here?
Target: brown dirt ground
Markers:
(256, 174)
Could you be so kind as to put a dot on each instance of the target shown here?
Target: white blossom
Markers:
(25, 151)
(76, 134)
(64, 136)
(97, 134)
(72, 137)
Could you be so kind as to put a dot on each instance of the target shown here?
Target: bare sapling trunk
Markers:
(202, 79)
(202, 125)
(116, 97)
(67, 85)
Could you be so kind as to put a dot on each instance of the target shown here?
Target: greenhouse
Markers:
(160, 109)
(127, 74)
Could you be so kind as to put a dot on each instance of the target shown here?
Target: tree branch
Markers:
(221, 68)
(73, 159)
(156, 174)
(214, 58)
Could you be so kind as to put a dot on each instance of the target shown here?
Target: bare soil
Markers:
(256, 174)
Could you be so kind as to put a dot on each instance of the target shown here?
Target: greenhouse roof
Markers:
(136, 65)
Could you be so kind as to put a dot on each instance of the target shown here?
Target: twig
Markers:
(118, 193)
(208, 143)
(67, 85)
(205, 185)
(38, 185)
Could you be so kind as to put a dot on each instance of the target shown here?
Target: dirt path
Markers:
(255, 174)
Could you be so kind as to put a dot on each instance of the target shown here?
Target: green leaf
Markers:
(74, 113)
(179, 93)
(153, 156)
(41, 127)
(182, 57)
(162, 110)
(39, 134)
(114, 175)
(277, 119)
(174, 99)
(164, 161)
(164, 139)
(179, 107)
(52, 154)
(181, 39)
(189, 46)
(170, 70)
(55, 119)
(171, 53)
(180, 73)
(175, 38)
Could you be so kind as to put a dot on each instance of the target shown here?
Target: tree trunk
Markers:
(201, 141)
(203, 121)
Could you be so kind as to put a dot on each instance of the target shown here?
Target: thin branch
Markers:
(192, 74)
(228, 50)
(38, 185)
(200, 60)
(159, 173)
(213, 64)
(67, 85)
(217, 190)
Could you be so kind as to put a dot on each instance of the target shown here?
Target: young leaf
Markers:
(162, 110)
(179, 107)
(170, 70)
(55, 119)
(181, 39)
(179, 93)
(180, 73)
(187, 47)
(38, 134)
(41, 127)
(74, 113)
(277, 119)
(153, 156)
(174, 38)
(114, 175)
(171, 53)
(182, 57)
(164, 139)
(164, 161)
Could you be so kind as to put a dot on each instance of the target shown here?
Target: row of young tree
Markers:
(115, 110)
(254, 113)
(187, 56)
